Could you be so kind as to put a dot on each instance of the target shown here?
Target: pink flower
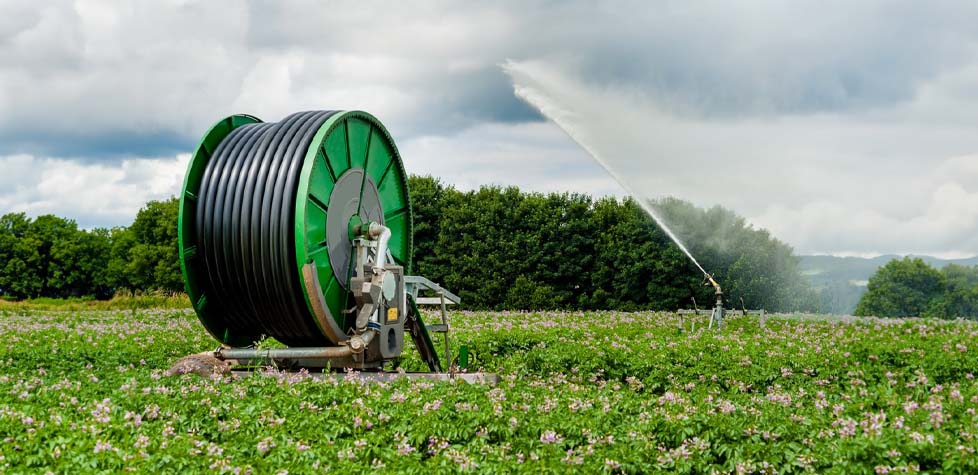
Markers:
(102, 446)
(404, 448)
(265, 445)
(550, 437)
(432, 406)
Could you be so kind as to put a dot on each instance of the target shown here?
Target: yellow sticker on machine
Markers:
(392, 314)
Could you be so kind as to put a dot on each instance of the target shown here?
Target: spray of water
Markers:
(556, 114)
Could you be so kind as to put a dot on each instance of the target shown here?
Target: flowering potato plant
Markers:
(85, 392)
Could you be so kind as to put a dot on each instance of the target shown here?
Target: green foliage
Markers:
(749, 263)
(485, 240)
(526, 293)
(118, 268)
(636, 265)
(493, 245)
(122, 300)
(583, 392)
(50, 257)
(20, 258)
(498, 248)
(427, 194)
(152, 262)
(911, 287)
(960, 297)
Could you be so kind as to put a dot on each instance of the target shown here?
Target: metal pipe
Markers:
(356, 344)
(714, 283)
(718, 309)
(383, 235)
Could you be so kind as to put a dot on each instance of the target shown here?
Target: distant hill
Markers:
(841, 281)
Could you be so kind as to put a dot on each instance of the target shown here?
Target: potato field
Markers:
(592, 392)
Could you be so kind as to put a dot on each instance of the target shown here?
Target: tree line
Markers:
(49, 256)
(910, 287)
(498, 248)
(505, 249)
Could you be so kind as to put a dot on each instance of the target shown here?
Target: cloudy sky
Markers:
(843, 127)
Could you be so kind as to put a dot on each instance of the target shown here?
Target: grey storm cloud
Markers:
(88, 79)
(92, 78)
(864, 97)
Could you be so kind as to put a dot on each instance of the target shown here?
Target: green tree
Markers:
(57, 246)
(118, 271)
(50, 257)
(960, 296)
(78, 263)
(526, 294)
(906, 287)
(153, 257)
(637, 265)
(608, 253)
(496, 247)
(749, 263)
(427, 195)
(20, 258)
(560, 247)
(480, 251)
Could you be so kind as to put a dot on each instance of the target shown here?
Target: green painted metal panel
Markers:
(195, 278)
(336, 297)
(320, 180)
(358, 134)
(379, 157)
(315, 227)
(347, 139)
(398, 246)
(337, 151)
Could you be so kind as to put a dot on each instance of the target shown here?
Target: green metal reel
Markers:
(351, 172)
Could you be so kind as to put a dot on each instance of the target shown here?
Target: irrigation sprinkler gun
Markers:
(718, 313)
(717, 317)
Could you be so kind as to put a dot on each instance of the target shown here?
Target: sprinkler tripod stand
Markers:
(717, 314)
(717, 317)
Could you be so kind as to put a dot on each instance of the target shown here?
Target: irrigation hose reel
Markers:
(301, 231)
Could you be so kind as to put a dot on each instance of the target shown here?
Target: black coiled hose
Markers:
(245, 229)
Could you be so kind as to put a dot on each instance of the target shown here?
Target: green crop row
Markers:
(84, 392)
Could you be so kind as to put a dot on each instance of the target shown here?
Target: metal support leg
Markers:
(444, 321)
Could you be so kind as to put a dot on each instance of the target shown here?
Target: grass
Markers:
(122, 300)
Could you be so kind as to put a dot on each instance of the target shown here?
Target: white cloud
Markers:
(90, 193)
(152, 76)
(830, 122)
(535, 157)
(826, 183)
